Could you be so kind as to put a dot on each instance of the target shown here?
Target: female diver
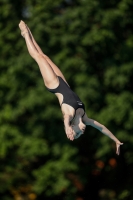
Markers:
(73, 110)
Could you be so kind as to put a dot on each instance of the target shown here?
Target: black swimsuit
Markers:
(69, 97)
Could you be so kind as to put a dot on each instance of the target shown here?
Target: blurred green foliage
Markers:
(92, 43)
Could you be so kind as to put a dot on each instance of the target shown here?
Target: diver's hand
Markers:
(118, 144)
(69, 133)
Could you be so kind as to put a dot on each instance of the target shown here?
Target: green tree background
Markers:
(92, 43)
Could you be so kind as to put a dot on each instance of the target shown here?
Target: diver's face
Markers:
(78, 129)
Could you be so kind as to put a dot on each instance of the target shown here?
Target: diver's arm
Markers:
(68, 128)
(104, 130)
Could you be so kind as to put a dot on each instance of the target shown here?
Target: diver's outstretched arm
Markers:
(104, 130)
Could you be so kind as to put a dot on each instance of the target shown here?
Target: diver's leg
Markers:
(48, 74)
(55, 68)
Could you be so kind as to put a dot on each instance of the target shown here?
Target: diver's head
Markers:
(78, 129)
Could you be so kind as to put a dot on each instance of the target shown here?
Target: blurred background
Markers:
(92, 43)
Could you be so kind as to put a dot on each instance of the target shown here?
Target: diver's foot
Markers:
(23, 28)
